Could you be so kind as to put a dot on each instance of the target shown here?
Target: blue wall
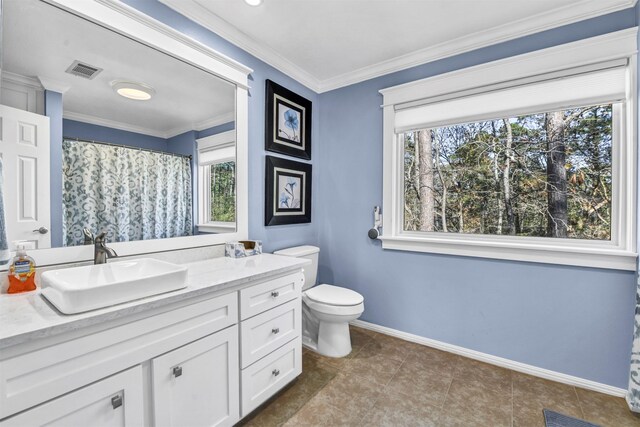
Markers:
(91, 132)
(53, 110)
(572, 320)
(217, 129)
(274, 237)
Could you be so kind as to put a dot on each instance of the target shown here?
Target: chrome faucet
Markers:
(102, 252)
(88, 236)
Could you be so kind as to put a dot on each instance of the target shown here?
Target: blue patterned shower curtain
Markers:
(129, 193)
(633, 395)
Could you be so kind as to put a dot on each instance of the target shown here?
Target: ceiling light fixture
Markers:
(253, 2)
(132, 90)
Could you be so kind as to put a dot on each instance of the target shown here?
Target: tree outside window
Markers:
(538, 175)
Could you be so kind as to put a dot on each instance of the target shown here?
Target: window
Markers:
(530, 158)
(222, 183)
(542, 175)
(217, 183)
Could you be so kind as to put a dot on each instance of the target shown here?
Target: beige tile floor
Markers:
(386, 381)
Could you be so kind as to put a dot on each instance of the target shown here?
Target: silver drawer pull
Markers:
(275, 294)
(177, 371)
(116, 401)
(275, 330)
(275, 372)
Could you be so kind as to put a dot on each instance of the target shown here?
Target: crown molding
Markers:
(85, 118)
(204, 17)
(554, 18)
(537, 23)
(206, 124)
(54, 85)
(30, 82)
(113, 124)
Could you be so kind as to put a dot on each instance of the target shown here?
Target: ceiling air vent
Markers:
(83, 70)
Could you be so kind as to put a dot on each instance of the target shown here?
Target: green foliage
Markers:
(478, 174)
(223, 192)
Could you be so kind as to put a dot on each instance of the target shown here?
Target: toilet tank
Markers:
(309, 252)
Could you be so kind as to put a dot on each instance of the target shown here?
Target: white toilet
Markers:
(326, 309)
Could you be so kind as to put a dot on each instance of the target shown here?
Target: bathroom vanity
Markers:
(207, 354)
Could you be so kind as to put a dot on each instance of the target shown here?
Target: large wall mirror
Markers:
(114, 123)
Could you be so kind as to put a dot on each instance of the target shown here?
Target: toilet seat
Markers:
(333, 300)
(334, 310)
(334, 295)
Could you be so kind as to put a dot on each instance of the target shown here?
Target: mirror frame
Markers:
(134, 24)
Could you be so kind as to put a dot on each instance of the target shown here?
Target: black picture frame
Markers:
(287, 122)
(287, 191)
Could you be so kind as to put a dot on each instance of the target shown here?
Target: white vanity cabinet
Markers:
(196, 385)
(271, 343)
(112, 402)
(201, 360)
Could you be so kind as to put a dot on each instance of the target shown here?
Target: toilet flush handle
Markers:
(275, 294)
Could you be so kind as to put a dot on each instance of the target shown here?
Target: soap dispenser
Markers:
(22, 272)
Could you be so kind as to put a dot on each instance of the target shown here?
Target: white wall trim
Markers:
(19, 79)
(29, 87)
(218, 139)
(611, 46)
(53, 85)
(99, 121)
(496, 360)
(554, 18)
(619, 252)
(205, 124)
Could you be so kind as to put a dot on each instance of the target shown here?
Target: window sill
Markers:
(597, 255)
(220, 227)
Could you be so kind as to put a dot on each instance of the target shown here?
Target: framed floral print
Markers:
(287, 192)
(287, 122)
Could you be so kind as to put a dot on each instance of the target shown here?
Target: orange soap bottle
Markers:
(22, 272)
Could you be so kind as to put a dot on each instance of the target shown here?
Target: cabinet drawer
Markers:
(113, 401)
(264, 296)
(264, 378)
(267, 331)
(34, 377)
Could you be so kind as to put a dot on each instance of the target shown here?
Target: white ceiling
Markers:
(41, 41)
(326, 44)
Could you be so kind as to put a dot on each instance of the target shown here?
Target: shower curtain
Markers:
(129, 193)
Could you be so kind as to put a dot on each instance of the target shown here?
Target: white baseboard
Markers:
(495, 360)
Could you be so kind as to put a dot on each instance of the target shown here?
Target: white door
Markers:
(198, 385)
(114, 401)
(24, 149)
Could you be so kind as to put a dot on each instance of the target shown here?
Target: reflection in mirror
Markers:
(104, 133)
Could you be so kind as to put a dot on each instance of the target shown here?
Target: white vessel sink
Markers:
(78, 289)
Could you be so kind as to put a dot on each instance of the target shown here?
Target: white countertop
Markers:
(24, 317)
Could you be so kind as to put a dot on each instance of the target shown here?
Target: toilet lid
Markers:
(334, 295)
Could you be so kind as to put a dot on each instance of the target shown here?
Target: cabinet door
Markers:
(113, 401)
(198, 384)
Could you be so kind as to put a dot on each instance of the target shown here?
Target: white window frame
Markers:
(618, 253)
(220, 141)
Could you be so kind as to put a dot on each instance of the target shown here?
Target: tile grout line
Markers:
(453, 377)
(584, 417)
(512, 400)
